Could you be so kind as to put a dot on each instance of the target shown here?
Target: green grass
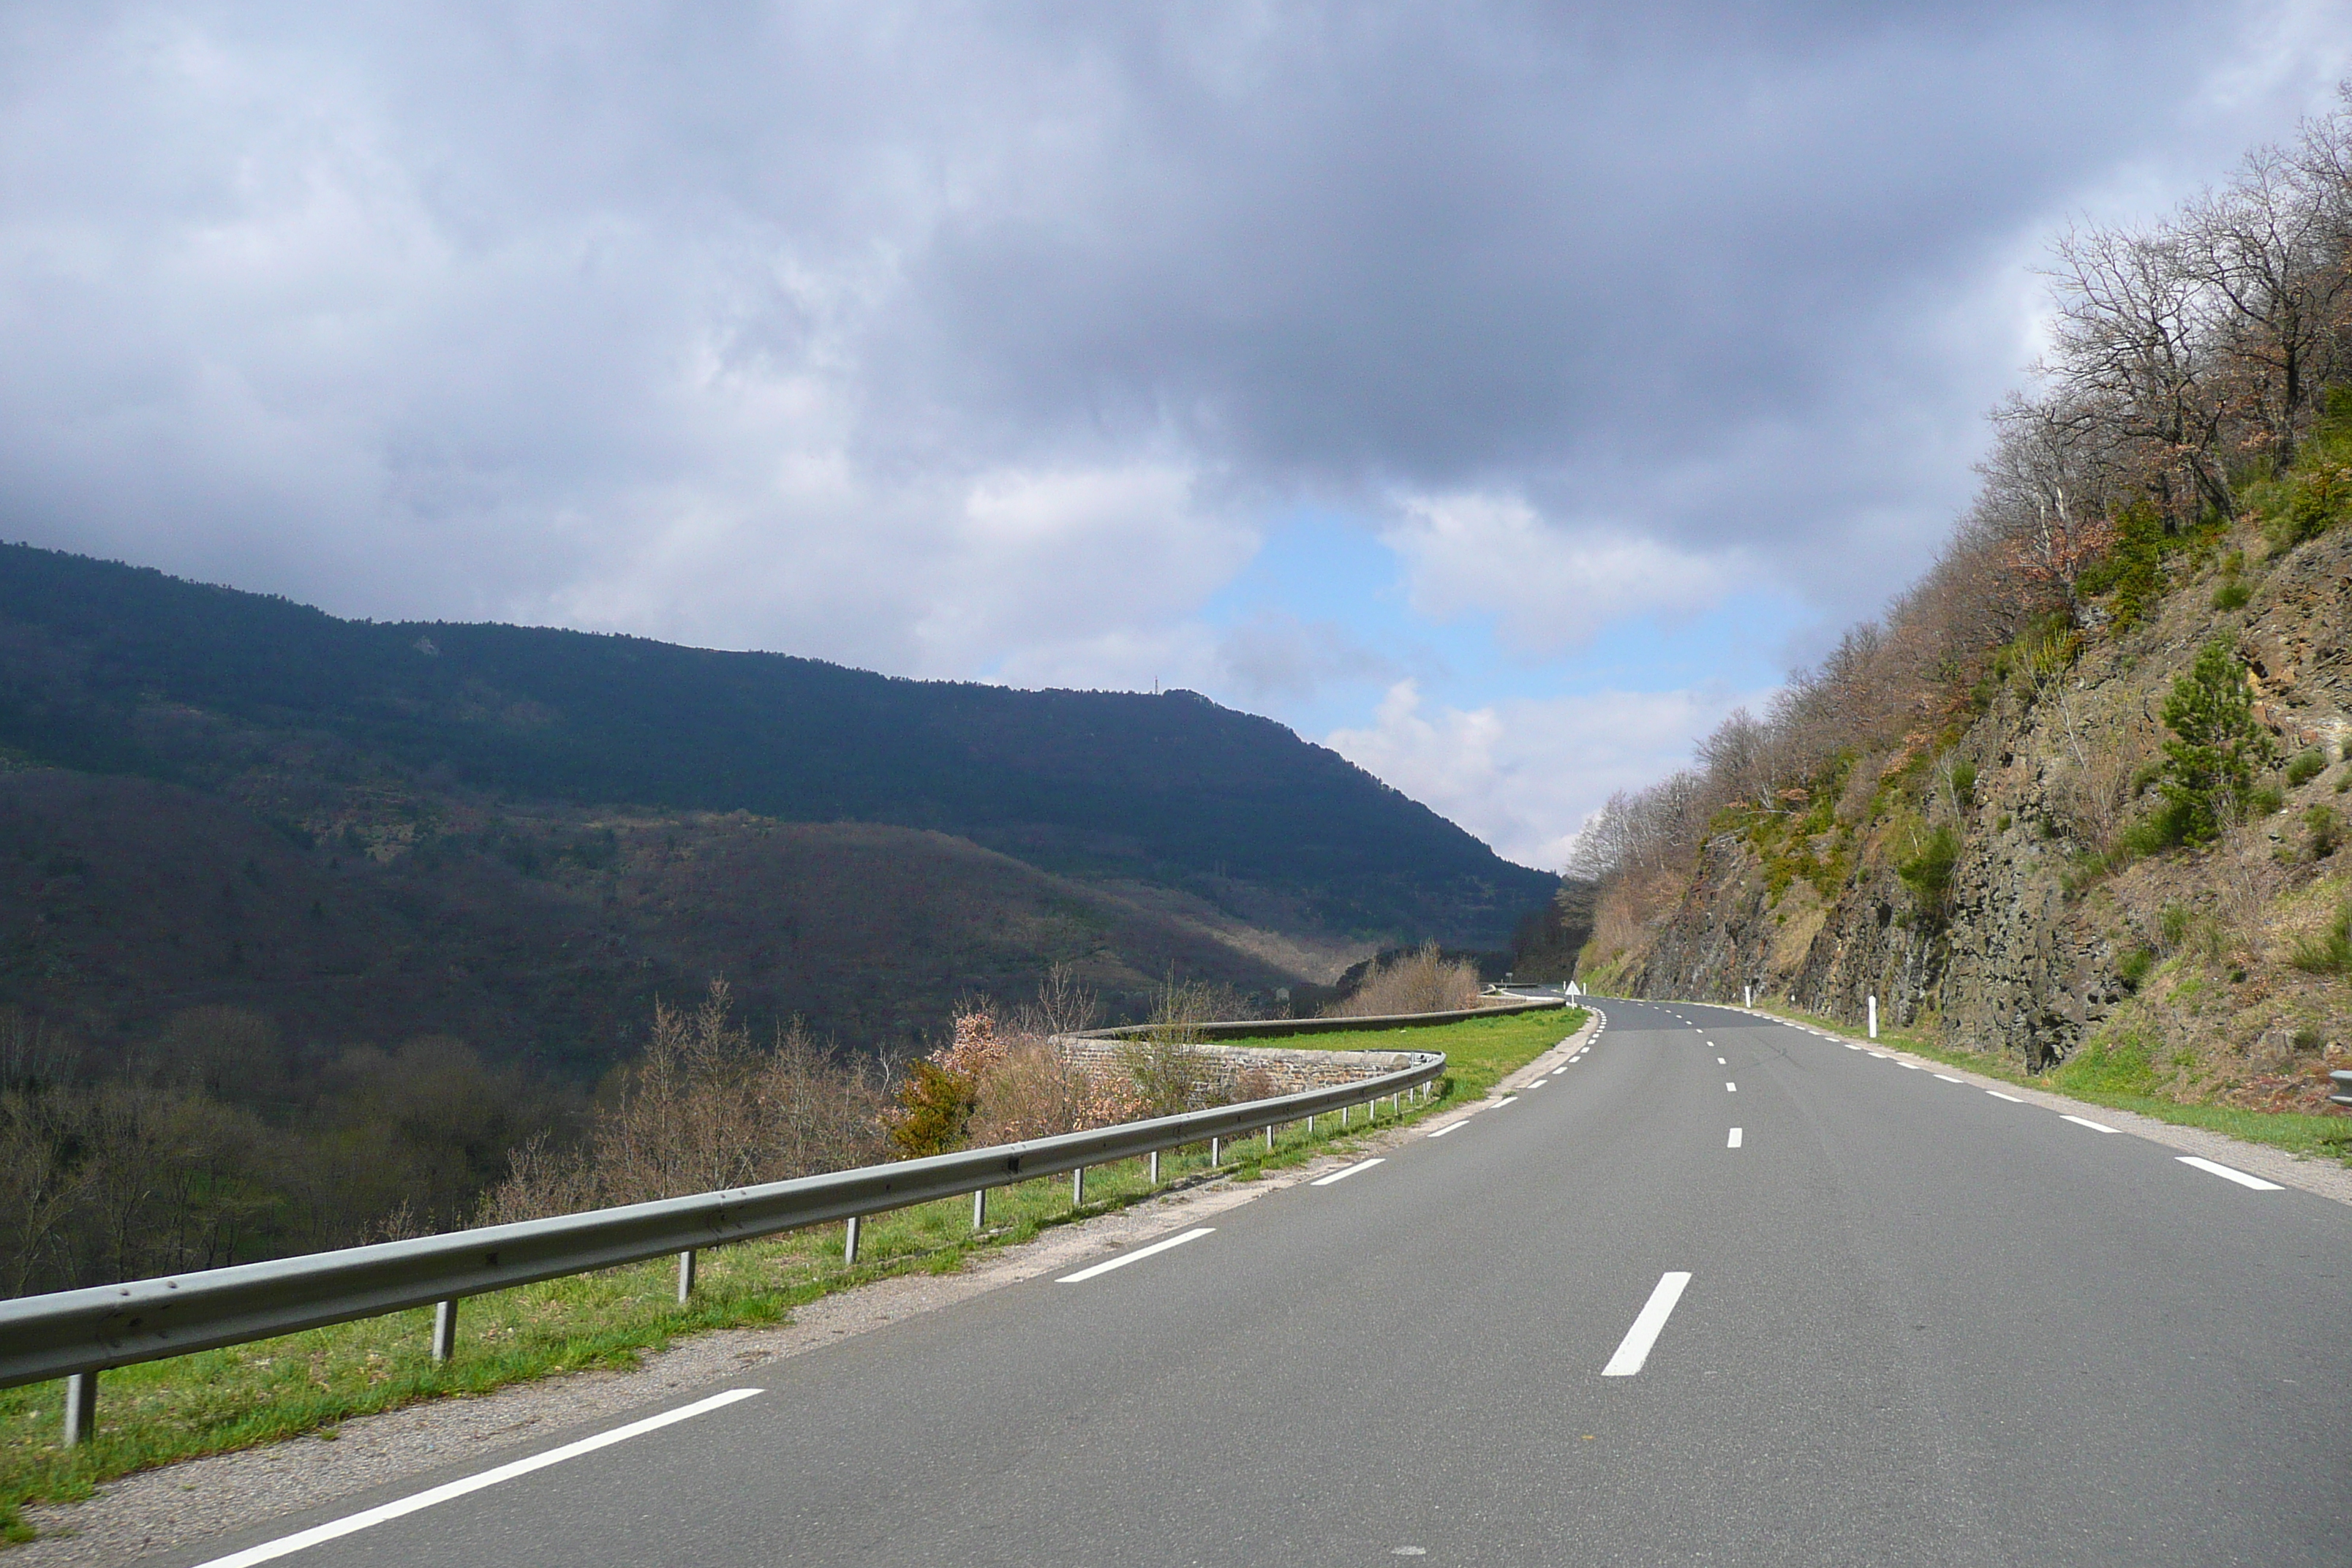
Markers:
(158, 1412)
(2116, 1073)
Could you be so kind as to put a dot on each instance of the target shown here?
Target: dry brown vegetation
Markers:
(706, 1107)
(1422, 980)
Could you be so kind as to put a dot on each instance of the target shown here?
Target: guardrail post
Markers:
(685, 1275)
(1269, 1137)
(445, 1330)
(1216, 1153)
(81, 1409)
(1077, 1186)
(849, 1241)
(1343, 1118)
(979, 1208)
(1155, 1167)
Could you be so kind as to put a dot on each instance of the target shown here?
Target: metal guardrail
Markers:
(1341, 1024)
(77, 1334)
(2343, 1082)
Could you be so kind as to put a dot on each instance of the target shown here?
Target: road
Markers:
(1922, 1324)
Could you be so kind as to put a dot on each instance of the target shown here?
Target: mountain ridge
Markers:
(1169, 788)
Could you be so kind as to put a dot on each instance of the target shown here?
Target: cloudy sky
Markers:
(1496, 392)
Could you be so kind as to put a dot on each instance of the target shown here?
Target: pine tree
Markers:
(2210, 763)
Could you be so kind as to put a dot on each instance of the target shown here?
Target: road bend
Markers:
(1720, 1292)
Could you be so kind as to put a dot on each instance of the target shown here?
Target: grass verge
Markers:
(2096, 1077)
(238, 1397)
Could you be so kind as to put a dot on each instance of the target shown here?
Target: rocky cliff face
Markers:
(2044, 932)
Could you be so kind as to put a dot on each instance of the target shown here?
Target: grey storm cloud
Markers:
(914, 335)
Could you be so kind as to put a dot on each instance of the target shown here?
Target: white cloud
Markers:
(1524, 774)
(1549, 588)
(987, 342)
(1277, 655)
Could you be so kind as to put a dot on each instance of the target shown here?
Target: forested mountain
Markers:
(109, 669)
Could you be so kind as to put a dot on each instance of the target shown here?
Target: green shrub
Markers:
(2131, 573)
(2316, 493)
(2326, 831)
(2172, 924)
(1928, 873)
(2263, 800)
(2329, 953)
(935, 1106)
(2154, 834)
(2002, 825)
(1964, 782)
(2108, 1066)
(2231, 595)
(2310, 503)
(2307, 766)
(2306, 1038)
(2209, 762)
(2132, 967)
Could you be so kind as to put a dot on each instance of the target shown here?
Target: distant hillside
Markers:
(544, 937)
(111, 668)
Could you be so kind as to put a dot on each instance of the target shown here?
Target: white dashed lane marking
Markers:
(2227, 1175)
(1139, 1255)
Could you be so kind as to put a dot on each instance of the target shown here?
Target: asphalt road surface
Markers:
(1720, 1292)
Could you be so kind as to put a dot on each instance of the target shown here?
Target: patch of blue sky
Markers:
(1323, 569)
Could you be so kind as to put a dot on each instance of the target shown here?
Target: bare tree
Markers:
(2047, 489)
(2267, 256)
(2131, 338)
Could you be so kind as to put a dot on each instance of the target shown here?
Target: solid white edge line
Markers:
(2084, 1121)
(1449, 1127)
(1138, 1256)
(1634, 1348)
(2227, 1174)
(2010, 1098)
(1948, 1078)
(1734, 1139)
(1357, 1169)
(334, 1530)
(1505, 1100)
